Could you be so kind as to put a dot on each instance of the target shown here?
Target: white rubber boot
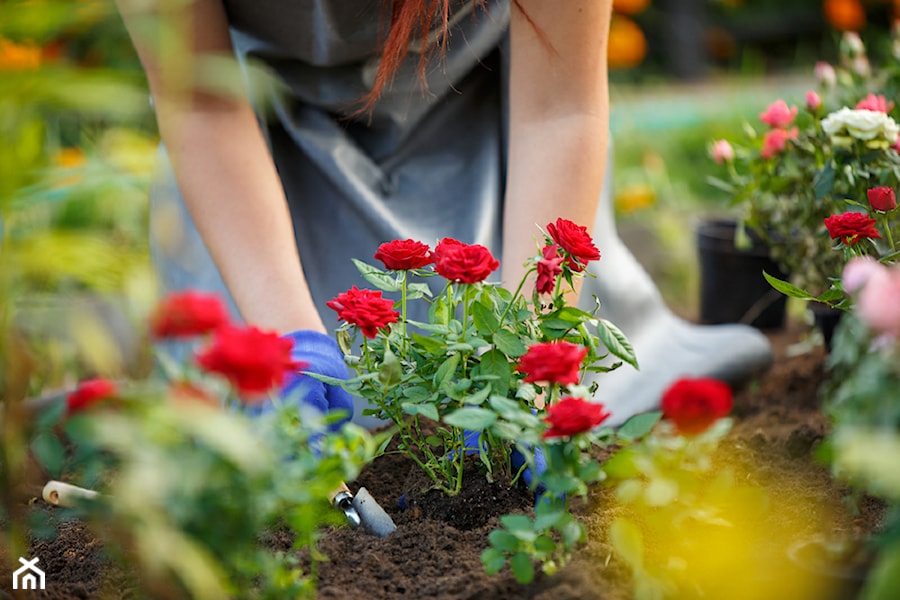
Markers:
(667, 347)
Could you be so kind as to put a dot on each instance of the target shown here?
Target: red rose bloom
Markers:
(548, 269)
(186, 314)
(88, 393)
(576, 241)
(366, 309)
(254, 361)
(882, 199)
(402, 255)
(463, 263)
(695, 404)
(851, 227)
(553, 362)
(571, 416)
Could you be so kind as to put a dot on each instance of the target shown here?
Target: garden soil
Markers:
(435, 552)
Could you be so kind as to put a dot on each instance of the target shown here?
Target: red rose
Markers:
(366, 309)
(464, 263)
(851, 227)
(254, 361)
(882, 199)
(775, 141)
(695, 404)
(90, 392)
(553, 362)
(571, 416)
(186, 314)
(402, 255)
(548, 269)
(576, 241)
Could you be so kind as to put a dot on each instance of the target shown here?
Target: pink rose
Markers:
(877, 305)
(825, 74)
(858, 271)
(813, 101)
(778, 115)
(875, 103)
(775, 141)
(722, 152)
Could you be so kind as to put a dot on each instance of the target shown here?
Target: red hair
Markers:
(406, 18)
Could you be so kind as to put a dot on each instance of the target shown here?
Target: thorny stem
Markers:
(403, 311)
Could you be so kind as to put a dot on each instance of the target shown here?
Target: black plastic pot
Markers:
(732, 286)
(826, 319)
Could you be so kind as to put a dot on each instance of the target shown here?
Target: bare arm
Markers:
(221, 163)
(559, 120)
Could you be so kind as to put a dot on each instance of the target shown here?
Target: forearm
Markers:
(235, 197)
(556, 170)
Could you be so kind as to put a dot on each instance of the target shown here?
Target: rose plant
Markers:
(142, 444)
(493, 375)
(487, 360)
(808, 165)
(676, 499)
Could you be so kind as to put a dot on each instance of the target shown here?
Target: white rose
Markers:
(864, 125)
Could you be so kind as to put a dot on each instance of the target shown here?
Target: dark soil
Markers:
(435, 552)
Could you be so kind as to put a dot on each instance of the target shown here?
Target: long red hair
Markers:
(406, 18)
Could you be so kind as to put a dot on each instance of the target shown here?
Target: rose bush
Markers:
(814, 164)
(484, 377)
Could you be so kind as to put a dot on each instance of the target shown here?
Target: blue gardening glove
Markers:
(472, 445)
(322, 355)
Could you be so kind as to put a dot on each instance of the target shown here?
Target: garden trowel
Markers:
(363, 511)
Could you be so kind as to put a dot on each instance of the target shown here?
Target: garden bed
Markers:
(435, 552)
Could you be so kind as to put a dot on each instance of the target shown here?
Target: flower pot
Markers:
(836, 568)
(732, 286)
(826, 320)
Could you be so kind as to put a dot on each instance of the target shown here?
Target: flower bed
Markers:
(436, 549)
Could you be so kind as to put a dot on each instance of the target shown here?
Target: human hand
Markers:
(322, 356)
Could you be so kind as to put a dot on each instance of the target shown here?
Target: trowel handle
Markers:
(66, 494)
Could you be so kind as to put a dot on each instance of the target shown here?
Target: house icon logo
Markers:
(28, 576)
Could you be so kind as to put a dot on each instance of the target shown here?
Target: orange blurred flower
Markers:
(627, 44)
(845, 15)
(19, 56)
(630, 7)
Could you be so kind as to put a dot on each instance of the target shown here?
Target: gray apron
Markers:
(424, 165)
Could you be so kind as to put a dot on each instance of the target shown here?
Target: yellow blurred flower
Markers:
(845, 15)
(68, 158)
(635, 197)
(630, 7)
(19, 56)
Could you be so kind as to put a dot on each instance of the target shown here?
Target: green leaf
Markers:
(493, 560)
(410, 408)
(616, 342)
(509, 344)
(378, 278)
(590, 472)
(495, 363)
(429, 411)
(517, 523)
(391, 372)
(49, 452)
(544, 544)
(503, 541)
(471, 418)
(522, 568)
(414, 291)
(572, 532)
(660, 491)
(417, 393)
(638, 426)
(478, 397)
(484, 319)
(545, 521)
(627, 540)
(428, 344)
(720, 184)
(788, 289)
(434, 441)
(446, 371)
(824, 181)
